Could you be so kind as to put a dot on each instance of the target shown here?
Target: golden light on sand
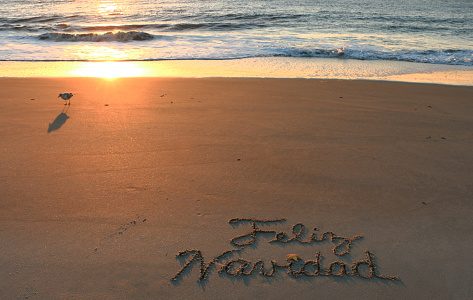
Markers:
(110, 70)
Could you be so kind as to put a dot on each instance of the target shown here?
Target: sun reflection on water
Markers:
(107, 6)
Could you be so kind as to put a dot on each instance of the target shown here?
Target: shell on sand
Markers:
(293, 257)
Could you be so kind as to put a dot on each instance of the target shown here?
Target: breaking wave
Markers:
(449, 56)
(120, 36)
(141, 30)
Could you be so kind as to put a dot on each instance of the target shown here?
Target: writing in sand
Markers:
(226, 263)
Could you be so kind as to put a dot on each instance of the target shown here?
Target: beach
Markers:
(100, 196)
(259, 67)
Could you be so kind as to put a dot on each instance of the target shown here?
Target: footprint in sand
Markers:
(132, 188)
(122, 229)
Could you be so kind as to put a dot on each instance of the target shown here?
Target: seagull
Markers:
(66, 97)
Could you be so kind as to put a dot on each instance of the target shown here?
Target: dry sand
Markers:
(97, 201)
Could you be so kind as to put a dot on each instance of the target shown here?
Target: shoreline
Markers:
(420, 83)
(280, 68)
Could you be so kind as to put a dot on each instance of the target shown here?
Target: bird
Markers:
(66, 97)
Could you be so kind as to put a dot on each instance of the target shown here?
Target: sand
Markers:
(99, 197)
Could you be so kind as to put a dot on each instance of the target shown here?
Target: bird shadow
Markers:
(59, 121)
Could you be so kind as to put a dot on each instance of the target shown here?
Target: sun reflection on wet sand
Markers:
(261, 67)
(102, 53)
(109, 70)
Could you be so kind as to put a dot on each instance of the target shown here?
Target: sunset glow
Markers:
(109, 70)
(214, 149)
(107, 6)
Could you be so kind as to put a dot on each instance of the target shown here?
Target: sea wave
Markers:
(183, 26)
(217, 22)
(447, 56)
(176, 27)
(267, 17)
(120, 36)
(462, 57)
(39, 19)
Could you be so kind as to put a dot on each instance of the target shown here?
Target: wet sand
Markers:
(99, 197)
(262, 67)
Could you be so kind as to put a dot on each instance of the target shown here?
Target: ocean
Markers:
(425, 31)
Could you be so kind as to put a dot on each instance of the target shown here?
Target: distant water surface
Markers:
(429, 31)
